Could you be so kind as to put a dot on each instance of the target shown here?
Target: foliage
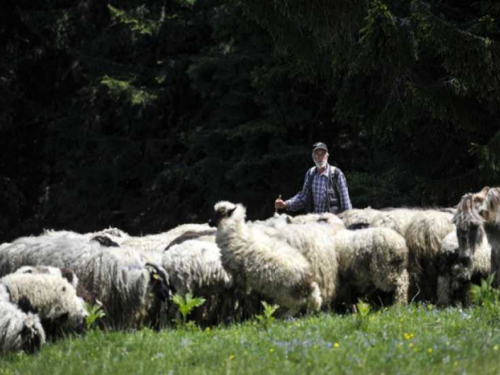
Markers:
(412, 339)
(362, 315)
(95, 314)
(142, 114)
(266, 319)
(487, 296)
(186, 305)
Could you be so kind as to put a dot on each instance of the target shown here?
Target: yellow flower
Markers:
(429, 350)
(207, 329)
(232, 356)
(410, 345)
(408, 336)
(495, 347)
(336, 345)
(271, 350)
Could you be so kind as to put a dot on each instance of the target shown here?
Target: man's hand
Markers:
(279, 204)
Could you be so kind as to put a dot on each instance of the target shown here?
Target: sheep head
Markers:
(32, 334)
(490, 208)
(469, 227)
(226, 210)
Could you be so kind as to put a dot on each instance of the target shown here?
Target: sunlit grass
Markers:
(416, 339)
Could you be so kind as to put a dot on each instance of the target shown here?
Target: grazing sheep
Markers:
(315, 241)
(159, 242)
(489, 209)
(456, 273)
(276, 221)
(50, 296)
(397, 219)
(18, 330)
(110, 237)
(372, 259)
(205, 236)
(195, 266)
(424, 236)
(132, 291)
(68, 275)
(267, 265)
(332, 221)
(358, 217)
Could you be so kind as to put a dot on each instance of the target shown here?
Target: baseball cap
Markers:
(319, 146)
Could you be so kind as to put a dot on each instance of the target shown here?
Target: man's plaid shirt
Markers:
(319, 188)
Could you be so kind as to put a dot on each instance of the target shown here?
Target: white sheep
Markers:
(132, 291)
(397, 219)
(50, 296)
(358, 217)
(262, 263)
(315, 241)
(66, 274)
(372, 259)
(18, 330)
(110, 237)
(195, 266)
(159, 242)
(334, 223)
(424, 236)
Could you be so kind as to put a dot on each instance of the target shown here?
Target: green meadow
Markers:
(397, 340)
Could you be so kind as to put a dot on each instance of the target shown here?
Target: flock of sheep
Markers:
(304, 263)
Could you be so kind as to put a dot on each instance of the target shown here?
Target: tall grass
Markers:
(398, 340)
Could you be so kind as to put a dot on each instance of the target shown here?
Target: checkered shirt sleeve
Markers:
(345, 201)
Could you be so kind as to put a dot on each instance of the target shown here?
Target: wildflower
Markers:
(232, 356)
(495, 347)
(271, 350)
(408, 336)
(207, 329)
(410, 345)
(336, 345)
(429, 350)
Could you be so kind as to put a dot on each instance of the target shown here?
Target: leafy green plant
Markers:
(95, 313)
(487, 296)
(267, 317)
(363, 311)
(186, 304)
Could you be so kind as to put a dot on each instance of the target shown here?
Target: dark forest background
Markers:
(143, 114)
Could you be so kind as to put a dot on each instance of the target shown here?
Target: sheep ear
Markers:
(289, 220)
(230, 212)
(479, 197)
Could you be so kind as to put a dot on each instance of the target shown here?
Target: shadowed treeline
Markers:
(141, 115)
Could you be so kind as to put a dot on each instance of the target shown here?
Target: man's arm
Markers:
(299, 201)
(345, 201)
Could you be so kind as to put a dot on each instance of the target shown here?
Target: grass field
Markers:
(415, 339)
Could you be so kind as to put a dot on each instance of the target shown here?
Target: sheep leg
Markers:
(402, 288)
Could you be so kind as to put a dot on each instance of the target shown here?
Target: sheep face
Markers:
(469, 227)
(223, 211)
(490, 208)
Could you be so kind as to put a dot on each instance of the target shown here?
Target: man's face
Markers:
(319, 155)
